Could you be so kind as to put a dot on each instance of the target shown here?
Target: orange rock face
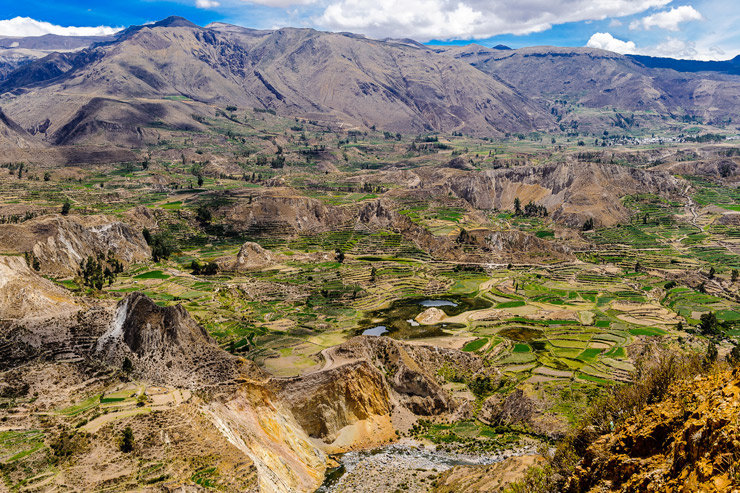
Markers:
(688, 442)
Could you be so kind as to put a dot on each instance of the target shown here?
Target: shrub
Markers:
(126, 443)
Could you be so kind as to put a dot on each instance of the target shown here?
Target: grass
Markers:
(154, 274)
(475, 345)
(589, 354)
(511, 304)
(522, 348)
(82, 406)
(647, 331)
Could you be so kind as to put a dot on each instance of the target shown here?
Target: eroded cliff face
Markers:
(39, 319)
(368, 388)
(282, 211)
(26, 295)
(61, 243)
(259, 425)
(689, 441)
(166, 346)
(572, 192)
(341, 408)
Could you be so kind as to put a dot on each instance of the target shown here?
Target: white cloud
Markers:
(206, 4)
(25, 26)
(675, 48)
(460, 19)
(669, 47)
(669, 19)
(280, 3)
(606, 41)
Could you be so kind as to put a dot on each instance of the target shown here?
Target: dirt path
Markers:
(691, 207)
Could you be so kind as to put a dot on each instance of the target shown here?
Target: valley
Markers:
(272, 287)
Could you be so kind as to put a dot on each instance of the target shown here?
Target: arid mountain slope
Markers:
(11, 134)
(339, 78)
(18, 51)
(602, 79)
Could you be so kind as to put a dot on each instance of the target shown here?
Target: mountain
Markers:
(724, 66)
(602, 79)
(341, 79)
(172, 73)
(11, 134)
(18, 51)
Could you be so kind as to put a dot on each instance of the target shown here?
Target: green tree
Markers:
(127, 366)
(708, 324)
(47, 176)
(711, 355)
(162, 246)
(734, 275)
(66, 207)
(126, 443)
(711, 272)
(517, 206)
(204, 215)
(734, 356)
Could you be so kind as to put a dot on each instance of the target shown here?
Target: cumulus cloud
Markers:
(207, 4)
(25, 26)
(669, 47)
(669, 19)
(605, 41)
(460, 19)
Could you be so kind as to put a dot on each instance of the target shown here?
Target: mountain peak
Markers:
(174, 21)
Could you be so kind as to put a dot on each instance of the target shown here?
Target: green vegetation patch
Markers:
(475, 345)
(511, 304)
(153, 274)
(647, 331)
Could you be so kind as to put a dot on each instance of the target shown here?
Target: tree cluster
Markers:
(95, 272)
(530, 210)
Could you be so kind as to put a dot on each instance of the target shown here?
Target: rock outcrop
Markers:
(264, 429)
(165, 345)
(61, 243)
(571, 192)
(492, 478)
(519, 409)
(26, 295)
(251, 256)
(343, 407)
(689, 441)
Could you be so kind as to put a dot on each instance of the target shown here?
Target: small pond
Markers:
(399, 322)
(375, 331)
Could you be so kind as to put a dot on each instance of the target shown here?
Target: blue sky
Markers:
(702, 29)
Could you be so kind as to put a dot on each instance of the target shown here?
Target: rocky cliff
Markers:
(690, 441)
(61, 243)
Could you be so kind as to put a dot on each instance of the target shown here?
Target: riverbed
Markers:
(407, 465)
